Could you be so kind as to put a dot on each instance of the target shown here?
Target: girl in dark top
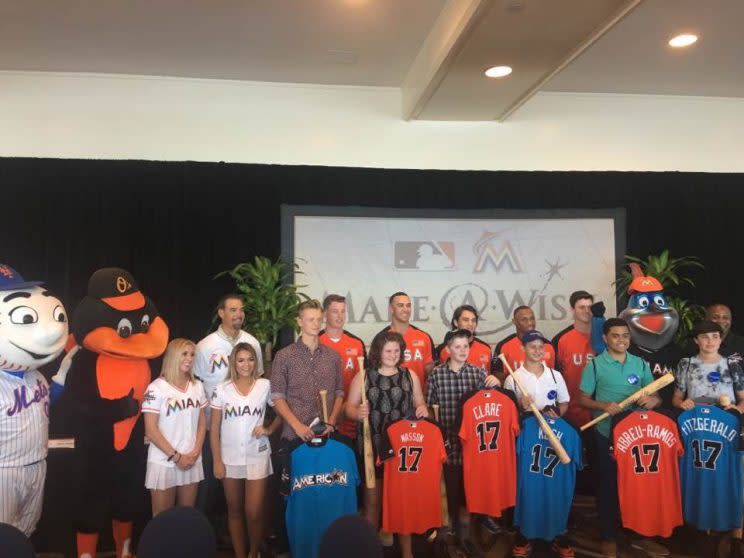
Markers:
(392, 393)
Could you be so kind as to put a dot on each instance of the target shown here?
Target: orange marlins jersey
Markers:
(414, 453)
(647, 448)
(513, 350)
(480, 354)
(419, 352)
(573, 350)
(488, 430)
(349, 347)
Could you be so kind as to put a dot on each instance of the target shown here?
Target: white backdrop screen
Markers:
(494, 264)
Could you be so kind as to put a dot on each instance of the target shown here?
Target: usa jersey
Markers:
(711, 468)
(414, 453)
(323, 482)
(647, 447)
(545, 486)
(488, 428)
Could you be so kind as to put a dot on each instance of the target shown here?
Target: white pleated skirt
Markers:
(162, 477)
(252, 471)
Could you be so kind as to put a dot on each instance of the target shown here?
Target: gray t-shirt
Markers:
(706, 382)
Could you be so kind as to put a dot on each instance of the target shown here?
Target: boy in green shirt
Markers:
(609, 378)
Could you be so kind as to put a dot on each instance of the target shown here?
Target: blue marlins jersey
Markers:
(545, 486)
(710, 469)
(323, 481)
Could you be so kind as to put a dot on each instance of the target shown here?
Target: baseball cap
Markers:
(350, 535)
(14, 543)
(180, 532)
(11, 280)
(532, 335)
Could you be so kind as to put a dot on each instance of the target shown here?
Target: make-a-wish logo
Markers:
(491, 251)
(425, 255)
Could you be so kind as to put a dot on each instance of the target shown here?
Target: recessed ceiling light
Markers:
(498, 71)
(684, 40)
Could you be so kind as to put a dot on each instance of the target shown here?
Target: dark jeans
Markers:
(607, 503)
(455, 492)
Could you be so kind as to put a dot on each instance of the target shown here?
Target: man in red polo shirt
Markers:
(573, 349)
(466, 317)
(419, 355)
(511, 345)
(348, 346)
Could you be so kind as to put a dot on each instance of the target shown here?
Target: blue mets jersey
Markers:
(323, 482)
(545, 486)
(711, 474)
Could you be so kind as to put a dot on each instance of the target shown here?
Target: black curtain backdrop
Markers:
(175, 225)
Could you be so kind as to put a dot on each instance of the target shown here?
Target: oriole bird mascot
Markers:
(33, 332)
(119, 329)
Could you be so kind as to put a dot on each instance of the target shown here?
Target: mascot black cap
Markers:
(117, 288)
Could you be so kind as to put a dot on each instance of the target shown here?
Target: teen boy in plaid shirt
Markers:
(446, 385)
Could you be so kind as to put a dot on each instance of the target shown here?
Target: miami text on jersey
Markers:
(232, 411)
(334, 477)
(21, 400)
(175, 405)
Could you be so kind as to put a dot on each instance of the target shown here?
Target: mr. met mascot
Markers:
(33, 332)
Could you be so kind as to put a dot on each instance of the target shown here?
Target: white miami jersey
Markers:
(241, 414)
(24, 418)
(178, 418)
(212, 355)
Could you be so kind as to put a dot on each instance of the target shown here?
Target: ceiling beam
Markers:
(439, 50)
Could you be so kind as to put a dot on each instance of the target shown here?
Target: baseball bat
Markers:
(724, 401)
(442, 485)
(324, 404)
(369, 465)
(653, 387)
(544, 426)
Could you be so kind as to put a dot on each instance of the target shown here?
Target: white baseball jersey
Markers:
(24, 418)
(241, 414)
(179, 416)
(211, 359)
(549, 389)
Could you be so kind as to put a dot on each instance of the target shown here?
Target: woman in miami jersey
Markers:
(240, 446)
(174, 422)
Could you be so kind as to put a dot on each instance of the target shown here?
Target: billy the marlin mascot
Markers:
(653, 323)
(119, 329)
(33, 332)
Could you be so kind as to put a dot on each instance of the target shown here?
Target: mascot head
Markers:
(117, 320)
(33, 323)
(652, 321)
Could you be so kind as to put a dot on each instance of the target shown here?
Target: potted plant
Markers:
(672, 274)
(270, 298)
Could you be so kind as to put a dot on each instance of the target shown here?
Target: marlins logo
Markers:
(217, 361)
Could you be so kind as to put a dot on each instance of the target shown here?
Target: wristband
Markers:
(172, 455)
(178, 458)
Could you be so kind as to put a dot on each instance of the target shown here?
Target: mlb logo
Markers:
(417, 343)
(705, 411)
(644, 416)
(426, 255)
(351, 352)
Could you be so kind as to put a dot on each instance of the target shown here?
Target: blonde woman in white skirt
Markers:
(240, 446)
(175, 423)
